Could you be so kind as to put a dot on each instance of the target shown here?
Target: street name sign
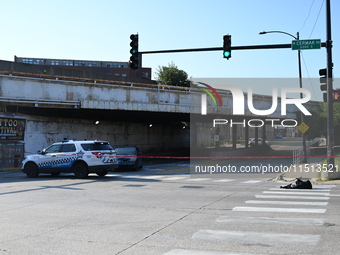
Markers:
(309, 44)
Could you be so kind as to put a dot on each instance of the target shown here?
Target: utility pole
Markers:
(297, 37)
(330, 114)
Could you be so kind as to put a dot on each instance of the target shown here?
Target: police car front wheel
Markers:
(31, 170)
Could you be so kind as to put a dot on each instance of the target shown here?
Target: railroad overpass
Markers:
(155, 118)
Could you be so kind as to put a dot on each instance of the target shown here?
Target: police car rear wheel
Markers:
(80, 170)
(31, 170)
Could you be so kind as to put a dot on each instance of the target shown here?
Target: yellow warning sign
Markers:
(303, 127)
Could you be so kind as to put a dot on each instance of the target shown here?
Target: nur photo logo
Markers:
(214, 95)
(240, 103)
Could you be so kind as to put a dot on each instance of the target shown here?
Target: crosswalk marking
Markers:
(294, 190)
(199, 179)
(281, 198)
(296, 193)
(275, 196)
(200, 252)
(224, 180)
(256, 237)
(286, 202)
(320, 186)
(251, 181)
(153, 177)
(174, 178)
(292, 197)
(276, 209)
(129, 176)
(183, 178)
(272, 220)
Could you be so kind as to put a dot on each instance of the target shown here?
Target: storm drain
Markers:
(192, 187)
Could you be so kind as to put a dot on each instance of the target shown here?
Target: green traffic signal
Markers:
(227, 46)
(226, 54)
(134, 60)
(133, 51)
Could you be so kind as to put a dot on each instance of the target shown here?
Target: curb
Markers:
(10, 169)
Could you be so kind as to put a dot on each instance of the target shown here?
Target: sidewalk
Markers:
(8, 169)
(311, 171)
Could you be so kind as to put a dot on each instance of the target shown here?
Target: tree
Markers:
(318, 122)
(171, 75)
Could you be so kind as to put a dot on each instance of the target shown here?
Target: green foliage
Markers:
(318, 122)
(171, 75)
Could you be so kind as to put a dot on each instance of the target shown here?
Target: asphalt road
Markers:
(163, 210)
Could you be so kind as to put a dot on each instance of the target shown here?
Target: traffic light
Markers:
(227, 46)
(336, 95)
(323, 79)
(134, 60)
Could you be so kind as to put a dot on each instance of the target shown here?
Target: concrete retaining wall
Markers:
(42, 131)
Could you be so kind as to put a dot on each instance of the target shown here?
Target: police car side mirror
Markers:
(41, 152)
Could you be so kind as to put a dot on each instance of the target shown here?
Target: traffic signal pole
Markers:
(249, 47)
(304, 147)
(330, 114)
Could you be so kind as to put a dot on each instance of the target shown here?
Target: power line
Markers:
(306, 68)
(304, 23)
(317, 18)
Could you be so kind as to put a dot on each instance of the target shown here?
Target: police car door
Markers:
(48, 157)
(59, 157)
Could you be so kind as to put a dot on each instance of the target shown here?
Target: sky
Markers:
(101, 29)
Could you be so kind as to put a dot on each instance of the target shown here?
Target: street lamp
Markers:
(297, 37)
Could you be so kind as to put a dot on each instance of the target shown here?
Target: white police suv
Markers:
(78, 157)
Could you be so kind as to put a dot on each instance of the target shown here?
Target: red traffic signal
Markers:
(336, 95)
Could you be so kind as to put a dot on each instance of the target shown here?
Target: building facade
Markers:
(114, 68)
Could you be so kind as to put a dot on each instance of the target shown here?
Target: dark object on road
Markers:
(299, 184)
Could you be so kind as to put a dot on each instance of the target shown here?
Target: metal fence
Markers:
(297, 156)
(11, 155)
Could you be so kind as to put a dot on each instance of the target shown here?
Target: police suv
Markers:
(78, 157)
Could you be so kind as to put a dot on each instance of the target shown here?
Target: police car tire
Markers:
(80, 170)
(102, 173)
(31, 170)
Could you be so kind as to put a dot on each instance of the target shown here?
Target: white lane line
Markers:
(272, 220)
(198, 252)
(129, 176)
(292, 190)
(324, 186)
(251, 181)
(174, 178)
(292, 197)
(256, 237)
(286, 203)
(272, 209)
(296, 193)
(153, 177)
(198, 179)
(224, 180)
